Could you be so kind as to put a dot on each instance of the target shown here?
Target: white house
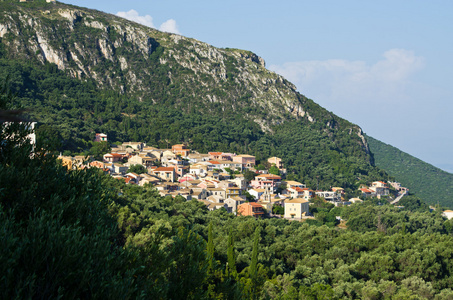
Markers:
(296, 208)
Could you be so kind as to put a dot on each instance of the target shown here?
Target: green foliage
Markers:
(99, 149)
(274, 170)
(431, 184)
(138, 169)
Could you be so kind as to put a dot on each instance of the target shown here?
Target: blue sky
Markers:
(384, 65)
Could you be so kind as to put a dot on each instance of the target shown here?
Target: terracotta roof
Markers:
(215, 153)
(164, 169)
(269, 176)
(297, 200)
(114, 155)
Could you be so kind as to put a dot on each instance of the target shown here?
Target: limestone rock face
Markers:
(131, 58)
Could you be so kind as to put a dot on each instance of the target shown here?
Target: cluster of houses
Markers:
(214, 178)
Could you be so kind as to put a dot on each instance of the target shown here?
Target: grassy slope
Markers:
(432, 184)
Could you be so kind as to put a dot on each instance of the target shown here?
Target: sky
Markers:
(384, 65)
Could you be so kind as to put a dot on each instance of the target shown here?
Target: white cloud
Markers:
(169, 26)
(134, 16)
(335, 80)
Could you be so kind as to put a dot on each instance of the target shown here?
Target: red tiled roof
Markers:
(214, 162)
(215, 153)
(114, 155)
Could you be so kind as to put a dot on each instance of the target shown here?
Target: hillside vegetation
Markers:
(80, 234)
(432, 184)
(80, 71)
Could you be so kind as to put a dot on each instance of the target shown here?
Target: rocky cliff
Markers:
(168, 70)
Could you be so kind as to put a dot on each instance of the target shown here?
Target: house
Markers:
(233, 203)
(180, 169)
(338, 190)
(197, 157)
(329, 195)
(293, 184)
(181, 150)
(266, 180)
(448, 214)
(212, 175)
(75, 162)
(239, 181)
(149, 179)
(198, 170)
(250, 209)
(397, 186)
(215, 199)
(214, 206)
(119, 169)
(380, 188)
(296, 208)
(167, 155)
(256, 193)
(143, 160)
(165, 173)
(220, 192)
(214, 155)
(199, 193)
(224, 164)
(134, 145)
(275, 161)
(295, 192)
(188, 177)
(233, 191)
(100, 137)
(112, 157)
(247, 161)
(355, 200)
(367, 192)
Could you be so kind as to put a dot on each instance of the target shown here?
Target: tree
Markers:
(99, 149)
(274, 170)
(231, 256)
(138, 169)
(253, 269)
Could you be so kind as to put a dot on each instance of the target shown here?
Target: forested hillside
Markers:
(80, 234)
(432, 184)
(80, 71)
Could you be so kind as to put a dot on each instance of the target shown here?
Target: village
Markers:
(220, 180)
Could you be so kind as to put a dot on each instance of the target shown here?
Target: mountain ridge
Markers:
(69, 64)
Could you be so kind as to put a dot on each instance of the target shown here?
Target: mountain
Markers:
(80, 71)
(432, 184)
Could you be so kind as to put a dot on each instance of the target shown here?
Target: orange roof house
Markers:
(113, 157)
(180, 149)
(250, 209)
(165, 173)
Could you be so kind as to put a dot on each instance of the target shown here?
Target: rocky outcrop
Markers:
(124, 56)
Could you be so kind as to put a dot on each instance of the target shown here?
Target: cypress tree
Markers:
(254, 263)
(210, 251)
(231, 269)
